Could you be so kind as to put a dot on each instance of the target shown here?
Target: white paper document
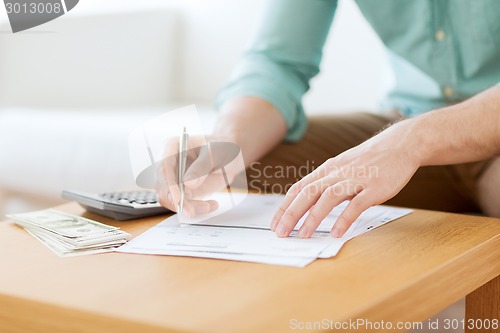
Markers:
(242, 233)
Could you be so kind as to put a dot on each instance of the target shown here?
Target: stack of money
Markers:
(69, 235)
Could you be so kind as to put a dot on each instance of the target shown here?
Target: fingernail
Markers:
(335, 233)
(303, 232)
(214, 205)
(281, 231)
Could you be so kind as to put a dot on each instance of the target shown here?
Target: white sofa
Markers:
(71, 90)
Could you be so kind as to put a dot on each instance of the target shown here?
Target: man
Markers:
(442, 119)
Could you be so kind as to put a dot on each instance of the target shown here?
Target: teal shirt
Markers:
(441, 52)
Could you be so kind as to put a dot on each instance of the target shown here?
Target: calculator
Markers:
(122, 206)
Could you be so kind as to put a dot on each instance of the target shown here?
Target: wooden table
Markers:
(405, 271)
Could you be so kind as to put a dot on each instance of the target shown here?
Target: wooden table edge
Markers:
(55, 318)
(488, 252)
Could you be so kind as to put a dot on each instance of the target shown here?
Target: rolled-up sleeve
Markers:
(283, 57)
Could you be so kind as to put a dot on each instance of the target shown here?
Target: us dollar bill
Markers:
(69, 235)
(62, 251)
(61, 223)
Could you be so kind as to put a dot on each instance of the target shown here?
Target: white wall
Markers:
(353, 69)
(211, 35)
(103, 60)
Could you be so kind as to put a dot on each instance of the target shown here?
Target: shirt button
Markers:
(440, 35)
(448, 92)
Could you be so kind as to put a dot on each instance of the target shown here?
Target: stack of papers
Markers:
(242, 233)
(68, 235)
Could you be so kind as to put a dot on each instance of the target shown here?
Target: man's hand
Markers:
(379, 168)
(205, 159)
(252, 123)
(367, 175)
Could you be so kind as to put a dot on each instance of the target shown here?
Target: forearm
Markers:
(253, 123)
(465, 132)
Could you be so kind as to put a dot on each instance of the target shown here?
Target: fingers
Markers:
(165, 199)
(166, 176)
(293, 192)
(170, 193)
(354, 209)
(193, 208)
(199, 169)
(330, 198)
(306, 198)
(290, 196)
(169, 181)
(164, 189)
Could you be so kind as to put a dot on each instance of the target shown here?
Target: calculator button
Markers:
(123, 201)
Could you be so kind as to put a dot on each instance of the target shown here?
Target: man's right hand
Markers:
(252, 123)
(205, 159)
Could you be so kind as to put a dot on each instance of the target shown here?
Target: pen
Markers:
(183, 142)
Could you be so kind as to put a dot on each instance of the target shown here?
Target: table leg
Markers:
(482, 308)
